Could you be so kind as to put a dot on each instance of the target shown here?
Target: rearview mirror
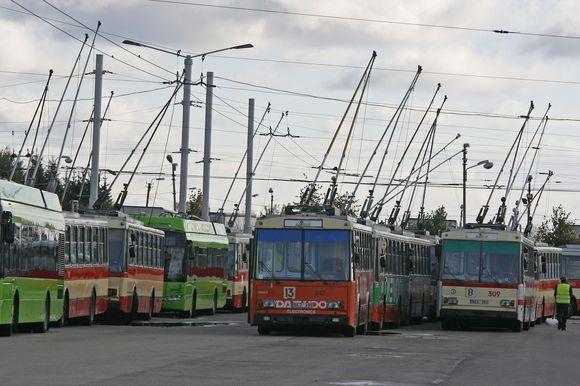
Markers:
(132, 251)
(8, 227)
(410, 266)
(383, 262)
(245, 258)
(544, 268)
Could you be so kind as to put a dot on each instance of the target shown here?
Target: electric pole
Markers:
(249, 168)
(207, 146)
(94, 187)
(186, 104)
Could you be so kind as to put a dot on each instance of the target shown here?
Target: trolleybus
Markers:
(403, 289)
(195, 264)
(571, 269)
(549, 271)
(135, 266)
(238, 262)
(311, 268)
(86, 268)
(31, 258)
(488, 275)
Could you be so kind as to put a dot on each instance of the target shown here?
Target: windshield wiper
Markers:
(313, 270)
(266, 268)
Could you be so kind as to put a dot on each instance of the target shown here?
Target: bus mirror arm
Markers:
(8, 227)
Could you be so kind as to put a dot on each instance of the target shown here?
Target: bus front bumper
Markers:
(478, 315)
(289, 320)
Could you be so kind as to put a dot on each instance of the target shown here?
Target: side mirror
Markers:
(8, 227)
(356, 258)
(525, 264)
(383, 262)
(133, 237)
(544, 268)
(244, 257)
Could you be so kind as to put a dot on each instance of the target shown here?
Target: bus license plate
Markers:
(478, 301)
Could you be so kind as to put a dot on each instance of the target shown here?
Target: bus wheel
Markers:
(90, 318)
(134, 307)
(398, 320)
(349, 331)
(43, 326)
(447, 324)
(213, 309)
(518, 326)
(244, 300)
(63, 321)
(193, 304)
(151, 306)
(263, 330)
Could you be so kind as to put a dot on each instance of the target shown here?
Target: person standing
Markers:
(563, 294)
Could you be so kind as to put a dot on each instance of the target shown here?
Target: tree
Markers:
(194, 203)
(558, 229)
(340, 200)
(436, 221)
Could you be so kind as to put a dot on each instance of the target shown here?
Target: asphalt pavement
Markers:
(224, 350)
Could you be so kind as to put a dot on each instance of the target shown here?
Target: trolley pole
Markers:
(148, 193)
(94, 187)
(249, 168)
(207, 146)
(186, 105)
(464, 211)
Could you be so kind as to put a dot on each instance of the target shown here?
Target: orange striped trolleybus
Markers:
(549, 263)
(488, 276)
(237, 271)
(571, 269)
(135, 266)
(311, 269)
(86, 268)
(31, 258)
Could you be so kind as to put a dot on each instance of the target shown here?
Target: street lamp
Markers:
(486, 165)
(149, 184)
(186, 104)
(173, 168)
(271, 191)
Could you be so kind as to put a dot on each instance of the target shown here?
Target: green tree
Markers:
(436, 221)
(317, 199)
(194, 203)
(558, 229)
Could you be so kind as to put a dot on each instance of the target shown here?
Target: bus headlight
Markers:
(507, 303)
(334, 305)
(268, 304)
(112, 292)
(450, 301)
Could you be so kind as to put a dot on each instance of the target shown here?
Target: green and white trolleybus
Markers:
(31, 258)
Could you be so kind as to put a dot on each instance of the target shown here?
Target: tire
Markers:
(526, 326)
(244, 301)
(134, 307)
(43, 327)
(8, 329)
(447, 325)
(349, 331)
(63, 321)
(517, 326)
(151, 306)
(263, 330)
(89, 320)
(193, 310)
(213, 309)
(543, 319)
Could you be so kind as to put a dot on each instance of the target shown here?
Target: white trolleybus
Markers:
(488, 276)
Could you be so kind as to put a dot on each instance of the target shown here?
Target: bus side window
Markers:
(67, 245)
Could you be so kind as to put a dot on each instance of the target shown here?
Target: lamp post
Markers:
(173, 168)
(271, 191)
(486, 165)
(186, 104)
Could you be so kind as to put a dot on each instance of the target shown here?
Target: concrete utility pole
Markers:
(185, 134)
(94, 188)
(207, 146)
(249, 168)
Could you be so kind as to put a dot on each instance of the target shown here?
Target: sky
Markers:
(308, 66)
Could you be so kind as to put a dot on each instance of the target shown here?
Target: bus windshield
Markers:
(487, 262)
(232, 260)
(303, 255)
(572, 267)
(174, 255)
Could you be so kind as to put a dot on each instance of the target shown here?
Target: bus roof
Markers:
(485, 234)
(31, 205)
(309, 221)
(200, 233)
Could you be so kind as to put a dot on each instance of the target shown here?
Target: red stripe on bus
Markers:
(478, 284)
(85, 272)
(41, 274)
